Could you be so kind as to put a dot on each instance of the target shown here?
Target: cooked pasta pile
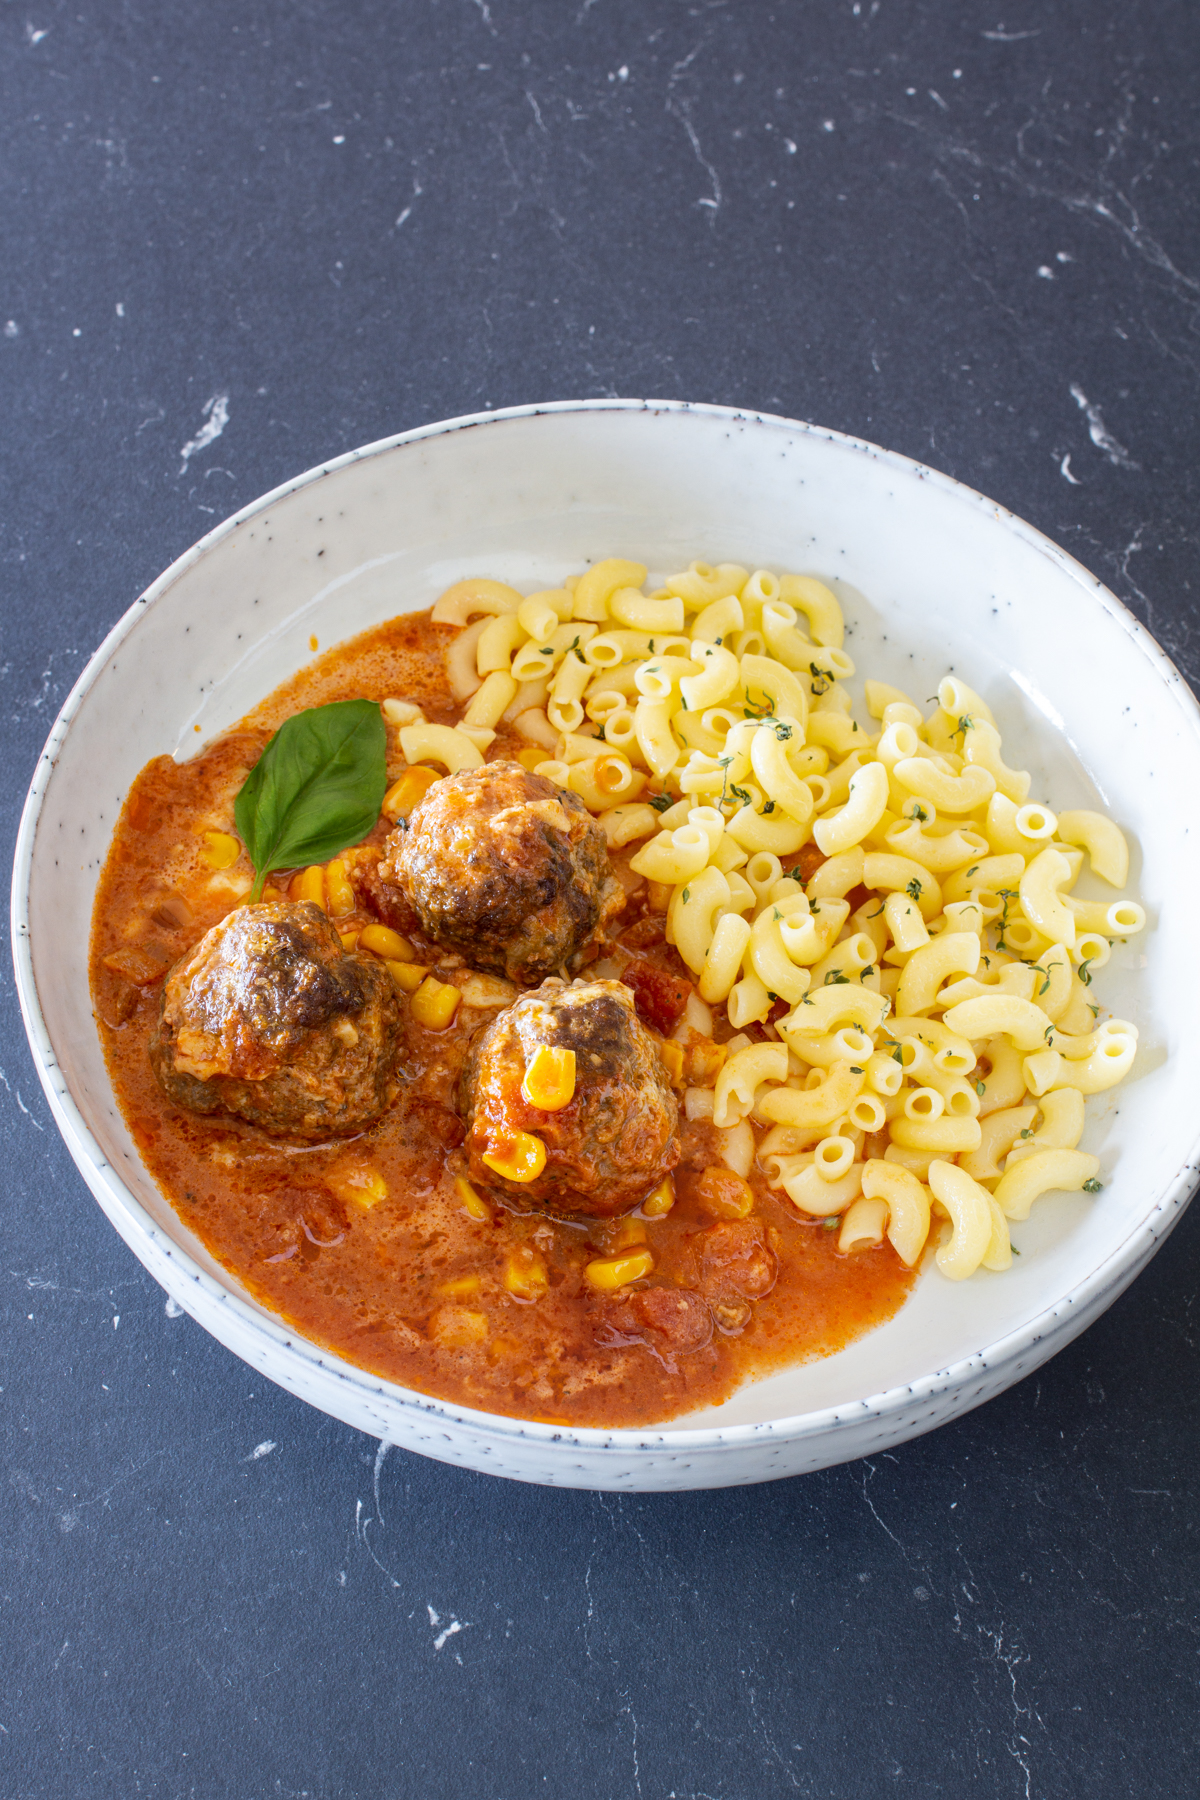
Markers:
(914, 1027)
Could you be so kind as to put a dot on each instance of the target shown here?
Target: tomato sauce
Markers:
(365, 1246)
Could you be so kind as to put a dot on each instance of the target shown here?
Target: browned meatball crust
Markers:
(616, 1139)
(268, 1018)
(505, 868)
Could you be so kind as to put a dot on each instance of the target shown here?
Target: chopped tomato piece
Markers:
(140, 964)
(669, 1321)
(659, 998)
(808, 860)
(736, 1262)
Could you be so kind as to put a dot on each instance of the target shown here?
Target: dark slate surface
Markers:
(968, 236)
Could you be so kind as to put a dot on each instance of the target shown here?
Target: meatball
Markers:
(613, 1142)
(505, 868)
(269, 1019)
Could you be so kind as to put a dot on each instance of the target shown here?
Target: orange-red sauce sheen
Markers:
(383, 1286)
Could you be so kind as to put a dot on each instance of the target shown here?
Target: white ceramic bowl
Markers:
(932, 576)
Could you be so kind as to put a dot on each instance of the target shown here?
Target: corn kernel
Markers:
(521, 1158)
(658, 896)
(412, 786)
(609, 1272)
(525, 1274)
(531, 756)
(381, 940)
(220, 850)
(549, 1082)
(724, 1195)
(349, 939)
(628, 1233)
(341, 894)
(460, 1287)
(358, 1182)
(408, 977)
(670, 1054)
(661, 1201)
(310, 885)
(435, 1002)
(476, 1207)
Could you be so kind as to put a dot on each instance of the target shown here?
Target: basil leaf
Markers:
(317, 787)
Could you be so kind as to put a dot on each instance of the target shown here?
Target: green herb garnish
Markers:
(1093, 1186)
(660, 802)
(1006, 894)
(317, 788)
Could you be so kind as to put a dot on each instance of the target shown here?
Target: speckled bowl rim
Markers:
(1085, 1300)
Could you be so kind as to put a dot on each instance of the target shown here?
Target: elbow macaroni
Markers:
(927, 1051)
